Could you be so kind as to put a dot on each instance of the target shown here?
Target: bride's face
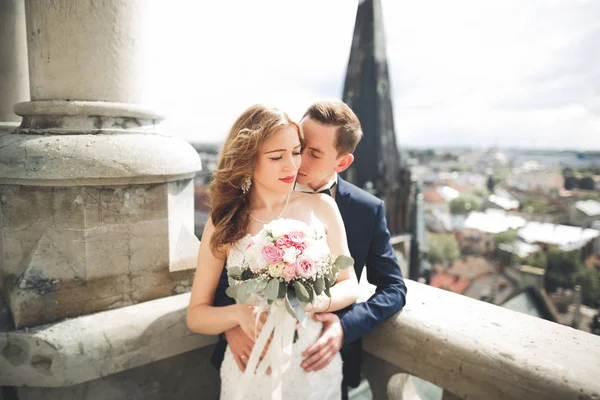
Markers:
(278, 161)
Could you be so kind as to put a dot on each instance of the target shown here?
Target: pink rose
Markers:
(296, 238)
(272, 254)
(300, 247)
(283, 241)
(305, 267)
(289, 272)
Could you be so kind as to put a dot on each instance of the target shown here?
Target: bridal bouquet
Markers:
(286, 260)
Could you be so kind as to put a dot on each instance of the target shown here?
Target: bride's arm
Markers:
(202, 316)
(345, 290)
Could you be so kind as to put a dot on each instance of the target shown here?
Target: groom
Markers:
(332, 132)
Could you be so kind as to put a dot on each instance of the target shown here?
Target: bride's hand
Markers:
(321, 305)
(251, 319)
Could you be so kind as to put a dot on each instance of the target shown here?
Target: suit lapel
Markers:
(342, 198)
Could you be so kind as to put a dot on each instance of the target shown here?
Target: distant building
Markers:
(497, 202)
(563, 237)
(471, 267)
(437, 209)
(452, 283)
(501, 199)
(520, 248)
(480, 227)
(532, 298)
(535, 180)
(584, 213)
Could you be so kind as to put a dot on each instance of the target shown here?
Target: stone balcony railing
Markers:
(473, 350)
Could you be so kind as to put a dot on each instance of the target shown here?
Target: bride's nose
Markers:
(291, 164)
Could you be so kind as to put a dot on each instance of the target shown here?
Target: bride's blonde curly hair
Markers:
(229, 205)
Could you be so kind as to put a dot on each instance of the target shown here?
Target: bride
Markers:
(253, 185)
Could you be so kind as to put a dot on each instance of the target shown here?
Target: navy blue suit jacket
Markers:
(369, 243)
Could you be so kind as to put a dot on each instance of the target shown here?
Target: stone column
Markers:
(14, 84)
(95, 202)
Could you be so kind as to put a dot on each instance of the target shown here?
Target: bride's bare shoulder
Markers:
(303, 198)
(313, 200)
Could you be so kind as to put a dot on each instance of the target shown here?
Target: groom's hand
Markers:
(241, 346)
(320, 354)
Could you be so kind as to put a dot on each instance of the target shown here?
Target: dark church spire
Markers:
(367, 91)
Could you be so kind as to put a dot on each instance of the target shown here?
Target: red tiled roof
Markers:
(457, 187)
(449, 282)
(471, 267)
(433, 196)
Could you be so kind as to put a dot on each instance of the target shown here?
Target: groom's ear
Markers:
(344, 162)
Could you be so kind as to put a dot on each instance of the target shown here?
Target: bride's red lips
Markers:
(288, 179)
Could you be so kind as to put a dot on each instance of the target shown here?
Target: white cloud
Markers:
(503, 72)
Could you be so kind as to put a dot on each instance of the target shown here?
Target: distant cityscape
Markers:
(517, 228)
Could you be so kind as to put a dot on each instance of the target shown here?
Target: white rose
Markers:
(276, 269)
(289, 254)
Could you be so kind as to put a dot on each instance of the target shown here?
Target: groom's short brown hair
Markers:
(337, 113)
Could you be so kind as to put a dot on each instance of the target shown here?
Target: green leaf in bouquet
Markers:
(272, 289)
(232, 281)
(311, 292)
(327, 286)
(282, 290)
(288, 307)
(253, 285)
(243, 292)
(333, 274)
(231, 291)
(301, 292)
(247, 274)
(343, 262)
(262, 285)
(319, 285)
(235, 272)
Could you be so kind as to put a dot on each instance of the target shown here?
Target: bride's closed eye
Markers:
(281, 157)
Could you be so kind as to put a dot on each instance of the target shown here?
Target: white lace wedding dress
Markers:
(297, 384)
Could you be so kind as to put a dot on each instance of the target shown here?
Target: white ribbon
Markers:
(279, 354)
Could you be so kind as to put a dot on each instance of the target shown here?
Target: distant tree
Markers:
(503, 256)
(480, 192)
(490, 184)
(571, 182)
(589, 280)
(590, 196)
(443, 248)
(587, 183)
(568, 171)
(537, 259)
(541, 205)
(509, 237)
(464, 204)
(561, 269)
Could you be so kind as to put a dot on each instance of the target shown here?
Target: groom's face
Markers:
(320, 157)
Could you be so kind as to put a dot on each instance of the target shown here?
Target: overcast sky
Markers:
(476, 73)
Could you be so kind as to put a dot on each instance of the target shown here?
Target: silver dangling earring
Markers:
(246, 185)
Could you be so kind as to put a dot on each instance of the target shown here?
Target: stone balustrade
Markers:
(477, 350)
(471, 349)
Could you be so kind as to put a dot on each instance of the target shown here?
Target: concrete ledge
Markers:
(89, 108)
(95, 160)
(480, 351)
(94, 346)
